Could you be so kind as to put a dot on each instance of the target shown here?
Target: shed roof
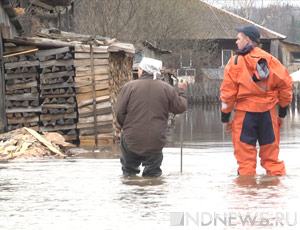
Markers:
(216, 23)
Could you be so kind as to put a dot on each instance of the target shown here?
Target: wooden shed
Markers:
(67, 85)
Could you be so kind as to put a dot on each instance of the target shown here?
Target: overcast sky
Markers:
(258, 3)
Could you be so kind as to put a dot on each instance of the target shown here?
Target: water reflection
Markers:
(89, 192)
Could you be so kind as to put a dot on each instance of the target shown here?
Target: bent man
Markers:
(142, 111)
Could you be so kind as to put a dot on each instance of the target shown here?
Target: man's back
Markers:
(142, 110)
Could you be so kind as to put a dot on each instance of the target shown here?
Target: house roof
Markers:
(150, 46)
(216, 23)
(213, 74)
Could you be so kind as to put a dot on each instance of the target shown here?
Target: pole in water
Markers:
(181, 140)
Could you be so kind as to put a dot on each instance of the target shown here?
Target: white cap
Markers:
(151, 66)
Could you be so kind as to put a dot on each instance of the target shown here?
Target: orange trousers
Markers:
(248, 128)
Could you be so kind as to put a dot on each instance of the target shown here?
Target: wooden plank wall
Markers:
(93, 95)
(2, 89)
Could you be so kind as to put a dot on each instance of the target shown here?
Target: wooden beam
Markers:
(86, 49)
(24, 110)
(20, 75)
(49, 117)
(90, 101)
(56, 75)
(22, 86)
(22, 97)
(46, 64)
(42, 4)
(13, 65)
(45, 142)
(49, 52)
(19, 53)
(18, 120)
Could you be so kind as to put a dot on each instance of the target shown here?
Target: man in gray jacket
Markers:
(142, 111)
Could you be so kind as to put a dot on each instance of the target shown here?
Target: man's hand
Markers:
(182, 85)
(228, 127)
(280, 121)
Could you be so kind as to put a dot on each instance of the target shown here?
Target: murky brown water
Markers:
(90, 193)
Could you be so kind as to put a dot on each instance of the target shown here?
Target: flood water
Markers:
(89, 192)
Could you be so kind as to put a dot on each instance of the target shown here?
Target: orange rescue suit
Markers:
(254, 101)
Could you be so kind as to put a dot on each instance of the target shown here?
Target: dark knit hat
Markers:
(250, 31)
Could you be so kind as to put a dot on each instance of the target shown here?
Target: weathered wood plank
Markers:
(86, 49)
(92, 124)
(48, 117)
(89, 78)
(57, 86)
(57, 95)
(49, 52)
(100, 130)
(57, 128)
(46, 64)
(88, 56)
(88, 83)
(45, 76)
(87, 62)
(57, 106)
(13, 65)
(22, 52)
(90, 101)
(18, 120)
(84, 96)
(103, 111)
(24, 110)
(20, 76)
(86, 71)
(25, 96)
(15, 49)
(22, 86)
(86, 89)
(90, 108)
(100, 118)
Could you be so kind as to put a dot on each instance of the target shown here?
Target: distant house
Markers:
(212, 43)
(290, 55)
(147, 49)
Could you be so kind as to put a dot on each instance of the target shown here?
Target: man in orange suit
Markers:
(254, 83)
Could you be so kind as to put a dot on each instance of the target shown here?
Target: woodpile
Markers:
(21, 91)
(120, 72)
(27, 143)
(57, 92)
(93, 95)
(69, 88)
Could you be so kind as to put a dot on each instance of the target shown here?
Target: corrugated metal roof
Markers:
(216, 23)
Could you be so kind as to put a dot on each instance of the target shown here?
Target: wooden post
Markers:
(94, 95)
(2, 89)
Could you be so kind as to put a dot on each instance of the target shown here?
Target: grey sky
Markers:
(258, 3)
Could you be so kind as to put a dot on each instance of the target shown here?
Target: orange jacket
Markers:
(238, 88)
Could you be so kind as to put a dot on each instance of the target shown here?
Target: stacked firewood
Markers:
(93, 95)
(120, 72)
(21, 94)
(57, 92)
